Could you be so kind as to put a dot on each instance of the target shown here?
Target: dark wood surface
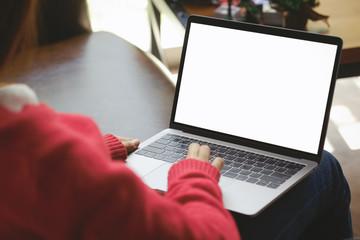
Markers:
(104, 77)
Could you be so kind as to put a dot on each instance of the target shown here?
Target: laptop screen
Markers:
(267, 88)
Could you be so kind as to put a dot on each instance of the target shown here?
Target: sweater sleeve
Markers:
(57, 181)
(193, 185)
(115, 146)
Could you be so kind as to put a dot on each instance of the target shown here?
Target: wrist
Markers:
(193, 165)
(116, 147)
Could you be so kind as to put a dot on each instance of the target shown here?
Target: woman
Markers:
(61, 179)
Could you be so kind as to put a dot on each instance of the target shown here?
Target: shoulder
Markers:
(15, 96)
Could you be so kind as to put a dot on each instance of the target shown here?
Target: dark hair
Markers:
(18, 28)
(25, 24)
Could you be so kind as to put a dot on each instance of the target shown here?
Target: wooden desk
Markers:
(106, 78)
(344, 22)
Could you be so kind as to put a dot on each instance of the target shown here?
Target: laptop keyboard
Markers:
(238, 164)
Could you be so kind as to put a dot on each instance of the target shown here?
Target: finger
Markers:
(218, 163)
(135, 145)
(122, 139)
(193, 150)
(204, 153)
(131, 144)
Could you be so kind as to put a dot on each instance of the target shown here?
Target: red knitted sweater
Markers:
(58, 180)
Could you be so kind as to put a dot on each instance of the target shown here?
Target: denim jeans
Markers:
(316, 208)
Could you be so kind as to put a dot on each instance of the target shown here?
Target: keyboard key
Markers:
(249, 162)
(150, 154)
(176, 139)
(222, 150)
(281, 163)
(280, 169)
(239, 160)
(235, 170)
(229, 157)
(157, 145)
(179, 150)
(226, 168)
(141, 152)
(251, 156)
(262, 183)
(169, 148)
(213, 147)
(255, 175)
(256, 169)
(227, 163)
(232, 152)
(166, 137)
(280, 175)
(242, 154)
(272, 179)
(170, 159)
(230, 174)
(162, 141)
(159, 156)
(295, 167)
(290, 172)
(178, 156)
(168, 153)
(266, 172)
(174, 144)
(246, 167)
(259, 164)
(273, 185)
(242, 177)
(183, 146)
(234, 164)
(245, 172)
(251, 180)
(261, 159)
(270, 167)
(153, 149)
(271, 161)
(222, 155)
(185, 141)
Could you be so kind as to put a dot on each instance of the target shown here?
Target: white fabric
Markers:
(15, 96)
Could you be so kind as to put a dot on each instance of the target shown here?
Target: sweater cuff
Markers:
(115, 146)
(192, 165)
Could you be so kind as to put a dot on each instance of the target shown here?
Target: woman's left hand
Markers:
(129, 143)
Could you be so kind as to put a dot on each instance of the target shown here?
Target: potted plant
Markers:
(298, 12)
(249, 9)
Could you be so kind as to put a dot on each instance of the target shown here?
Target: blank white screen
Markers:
(261, 87)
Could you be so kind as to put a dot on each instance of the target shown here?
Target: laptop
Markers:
(259, 96)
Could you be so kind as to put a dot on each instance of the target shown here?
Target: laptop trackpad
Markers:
(158, 178)
(143, 165)
(225, 182)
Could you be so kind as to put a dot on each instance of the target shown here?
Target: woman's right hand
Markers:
(202, 153)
